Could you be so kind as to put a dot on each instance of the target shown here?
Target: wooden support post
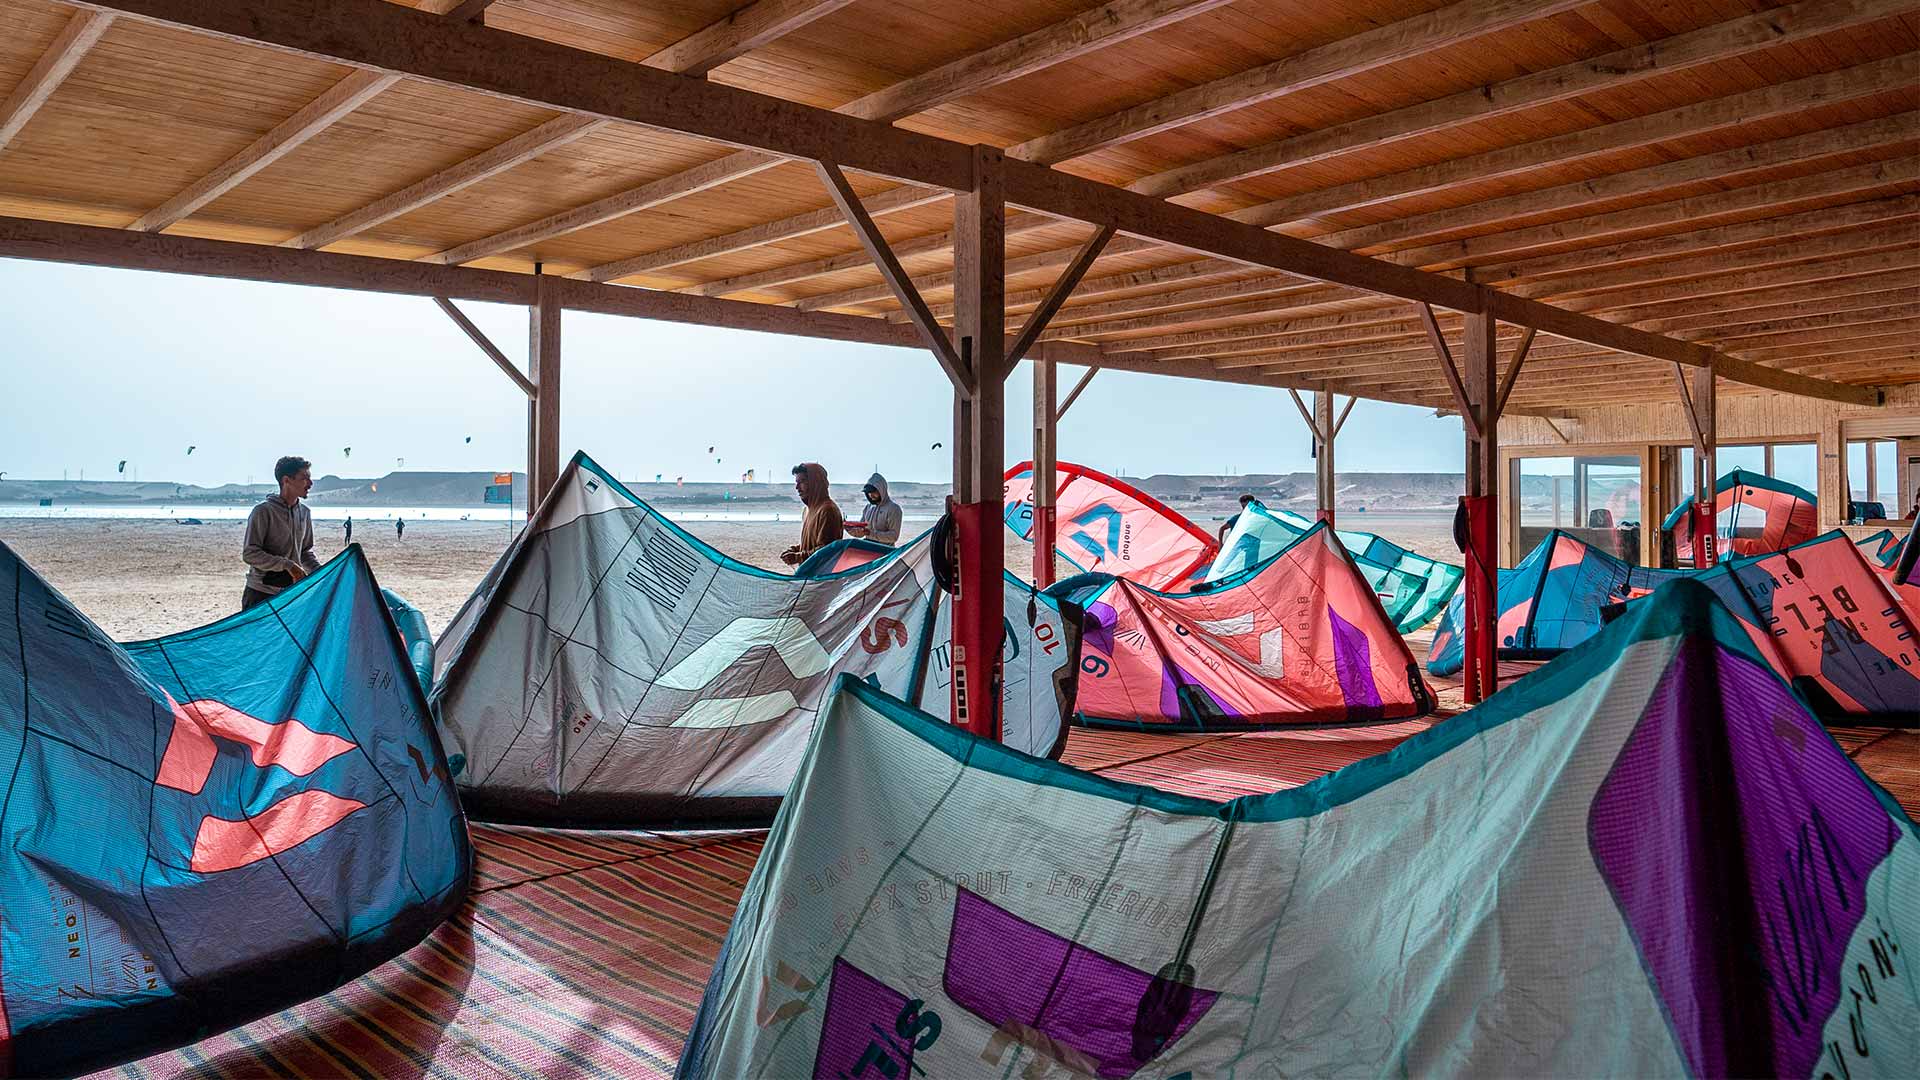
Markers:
(1482, 503)
(980, 318)
(1045, 475)
(1766, 459)
(1323, 428)
(1697, 403)
(543, 357)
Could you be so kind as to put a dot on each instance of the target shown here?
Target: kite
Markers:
(469, 438)
(612, 668)
(1819, 613)
(1882, 548)
(1555, 599)
(190, 450)
(1753, 514)
(208, 827)
(1648, 859)
(346, 451)
(936, 446)
(123, 465)
(1412, 587)
(1300, 641)
(1108, 526)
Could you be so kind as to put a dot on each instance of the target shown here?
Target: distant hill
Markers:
(1197, 495)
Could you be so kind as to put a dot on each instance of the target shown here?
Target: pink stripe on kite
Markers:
(289, 744)
(225, 845)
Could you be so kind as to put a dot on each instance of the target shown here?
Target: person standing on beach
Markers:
(278, 548)
(821, 524)
(349, 530)
(399, 528)
(880, 520)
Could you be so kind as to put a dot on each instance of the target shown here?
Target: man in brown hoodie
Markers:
(822, 523)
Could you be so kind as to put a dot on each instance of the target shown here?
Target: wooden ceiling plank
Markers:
(311, 119)
(1712, 44)
(751, 26)
(850, 260)
(67, 49)
(1699, 270)
(1327, 63)
(1870, 134)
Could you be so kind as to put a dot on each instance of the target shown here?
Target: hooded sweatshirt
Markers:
(882, 519)
(822, 524)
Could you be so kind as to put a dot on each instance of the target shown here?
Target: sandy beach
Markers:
(144, 578)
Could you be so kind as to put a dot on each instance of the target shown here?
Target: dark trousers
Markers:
(251, 596)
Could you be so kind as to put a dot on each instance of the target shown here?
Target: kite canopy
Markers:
(1819, 613)
(1412, 588)
(612, 668)
(1645, 860)
(1549, 603)
(1299, 640)
(1108, 526)
(1882, 548)
(1753, 514)
(208, 827)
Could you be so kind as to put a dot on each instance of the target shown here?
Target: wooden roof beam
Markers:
(1660, 314)
(876, 245)
(399, 40)
(739, 33)
(1711, 44)
(1063, 288)
(1010, 60)
(67, 49)
(1327, 63)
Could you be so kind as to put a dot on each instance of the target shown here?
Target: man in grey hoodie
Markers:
(880, 521)
(278, 549)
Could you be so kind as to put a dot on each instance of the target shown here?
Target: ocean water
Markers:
(322, 512)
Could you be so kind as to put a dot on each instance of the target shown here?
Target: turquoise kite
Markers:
(1412, 587)
(1647, 859)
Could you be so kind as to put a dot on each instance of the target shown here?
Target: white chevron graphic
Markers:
(738, 712)
(790, 637)
(1272, 663)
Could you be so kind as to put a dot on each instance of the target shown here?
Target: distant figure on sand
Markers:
(278, 548)
(880, 520)
(822, 523)
(349, 530)
(400, 528)
(1235, 519)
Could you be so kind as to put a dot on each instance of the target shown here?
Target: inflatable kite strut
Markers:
(208, 827)
(1646, 859)
(1298, 640)
(1108, 526)
(613, 669)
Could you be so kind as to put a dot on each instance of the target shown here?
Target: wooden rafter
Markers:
(739, 33)
(882, 255)
(1513, 369)
(69, 46)
(1074, 394)
(311, 119)
(1711, 44)
(1450, 371)
(1342, 421)
(1062, 289)
(1306, 415)
(1327, 63)
(470, 10)
(492, 351)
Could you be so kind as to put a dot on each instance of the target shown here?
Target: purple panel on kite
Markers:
(1096, 628)
(1353, 665)
(1005, 969)
(1716, 837)
(858, 1033)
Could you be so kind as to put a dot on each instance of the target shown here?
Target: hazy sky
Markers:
(101, 365)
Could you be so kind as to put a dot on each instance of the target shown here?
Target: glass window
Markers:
(1857, 470)
(1751, 459)
(1797, 463)
(1594, 498)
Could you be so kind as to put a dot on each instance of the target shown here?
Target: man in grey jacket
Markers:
(278, 549)
(880, 521)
